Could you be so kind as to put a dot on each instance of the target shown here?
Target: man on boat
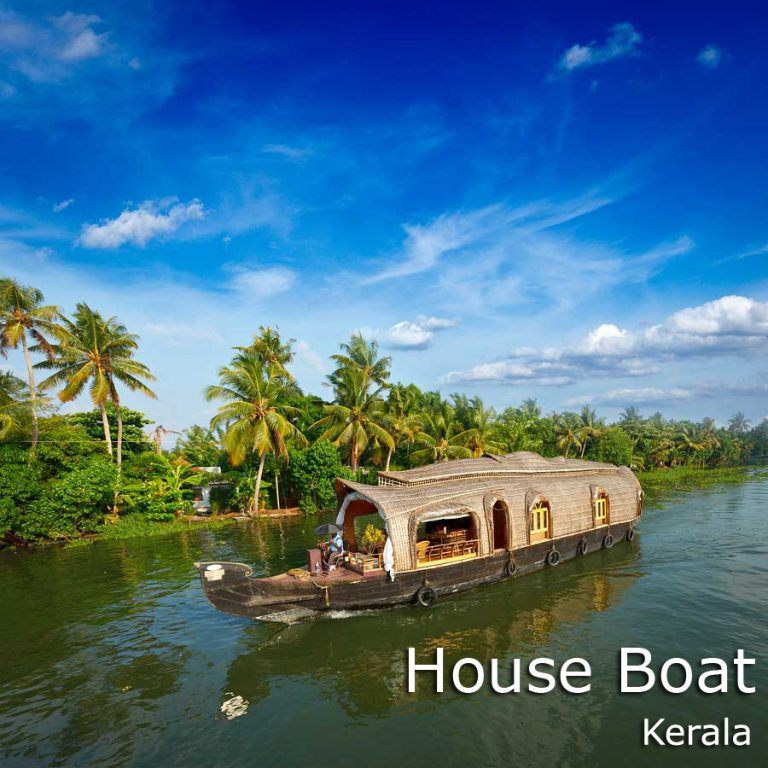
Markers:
(335, 549)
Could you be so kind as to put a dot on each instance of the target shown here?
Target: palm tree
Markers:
(630, 415)
(256, 412)
(22, 312)
(14, 403)
(199, 446)
(357, 416)
(591, 427)
(481, 437)
(442, 436)
(690, 442)
(530, 409)
(569, 432)
(271, 350)
(361, 355)
(738, 423)
(100, 351)
(402, 422)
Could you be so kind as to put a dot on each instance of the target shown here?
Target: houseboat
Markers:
(447, 527)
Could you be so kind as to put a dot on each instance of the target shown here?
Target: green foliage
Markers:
(312, 472)
(372, 538)
(199, 446)
(614, 447)
(64, 445)
(134, 422)
(72, 504)
(158, 488)
(21, 484)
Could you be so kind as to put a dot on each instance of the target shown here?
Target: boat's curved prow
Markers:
(231, 588)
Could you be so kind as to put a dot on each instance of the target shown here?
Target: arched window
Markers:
(540, 521)
(601, 508)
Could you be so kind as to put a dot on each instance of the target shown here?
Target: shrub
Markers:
(76, 502)
(372, 537)
(312, 471)
(615, 447)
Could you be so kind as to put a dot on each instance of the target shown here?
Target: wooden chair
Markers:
(421, 550)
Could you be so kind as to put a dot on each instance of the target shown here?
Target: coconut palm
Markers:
(199, 446)
(402, 422)
(591, 428)
(738, 423)
(14, 403)
(357, 417)
(359, 354)
(569, 432)
(23, 315)
(442, 436)
(690, 443)
(98, 351)
(271, 350)
(481, 436)
(256, 413)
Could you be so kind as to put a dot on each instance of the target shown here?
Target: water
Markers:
(110, 655)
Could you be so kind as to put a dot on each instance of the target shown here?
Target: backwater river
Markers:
(111, 656)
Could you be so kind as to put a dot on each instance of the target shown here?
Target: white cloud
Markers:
(63, 205)
(294, 153)
(180, 334)
(311, 359)
(623, 41)
(416, 334)
(425, 246)
(437, 323)
(499, 256)
(710, 57)
(46, 50)
(669, 395)
(140, 225)
(80, 41)
(261, 283)
(731, 325)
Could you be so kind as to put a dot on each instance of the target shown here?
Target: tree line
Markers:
(275, 443)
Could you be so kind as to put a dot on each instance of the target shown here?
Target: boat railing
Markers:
(436, 553)
(364, 563)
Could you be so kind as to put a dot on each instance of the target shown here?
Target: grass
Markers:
(659, 481)
(134, 526)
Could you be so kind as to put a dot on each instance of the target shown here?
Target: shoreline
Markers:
(655, 482)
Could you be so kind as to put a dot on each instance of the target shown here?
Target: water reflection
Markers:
(362, 658)
(110, 655)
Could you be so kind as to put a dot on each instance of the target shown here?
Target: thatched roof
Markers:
(474, 485)
(488, 465)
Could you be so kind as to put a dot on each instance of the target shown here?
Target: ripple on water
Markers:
(111, 656)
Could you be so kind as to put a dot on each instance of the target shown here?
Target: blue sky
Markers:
(561, 201)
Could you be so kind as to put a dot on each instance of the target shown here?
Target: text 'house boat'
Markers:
(448, 527)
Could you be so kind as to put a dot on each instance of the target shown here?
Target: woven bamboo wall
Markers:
(570, 495)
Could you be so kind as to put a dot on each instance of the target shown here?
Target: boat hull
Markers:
(287, 598)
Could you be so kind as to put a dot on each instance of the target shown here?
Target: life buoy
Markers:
(426, 596)
(553, 557)
(510, 567)
(582, 547)
(630, 534)
(608, 541)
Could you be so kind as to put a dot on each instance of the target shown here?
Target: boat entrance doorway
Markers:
(500, 533)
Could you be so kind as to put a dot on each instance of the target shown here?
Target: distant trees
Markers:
(266, 428)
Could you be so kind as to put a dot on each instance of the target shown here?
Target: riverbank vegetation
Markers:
(103, 470)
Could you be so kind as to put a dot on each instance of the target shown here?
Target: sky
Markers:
(553, 200)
